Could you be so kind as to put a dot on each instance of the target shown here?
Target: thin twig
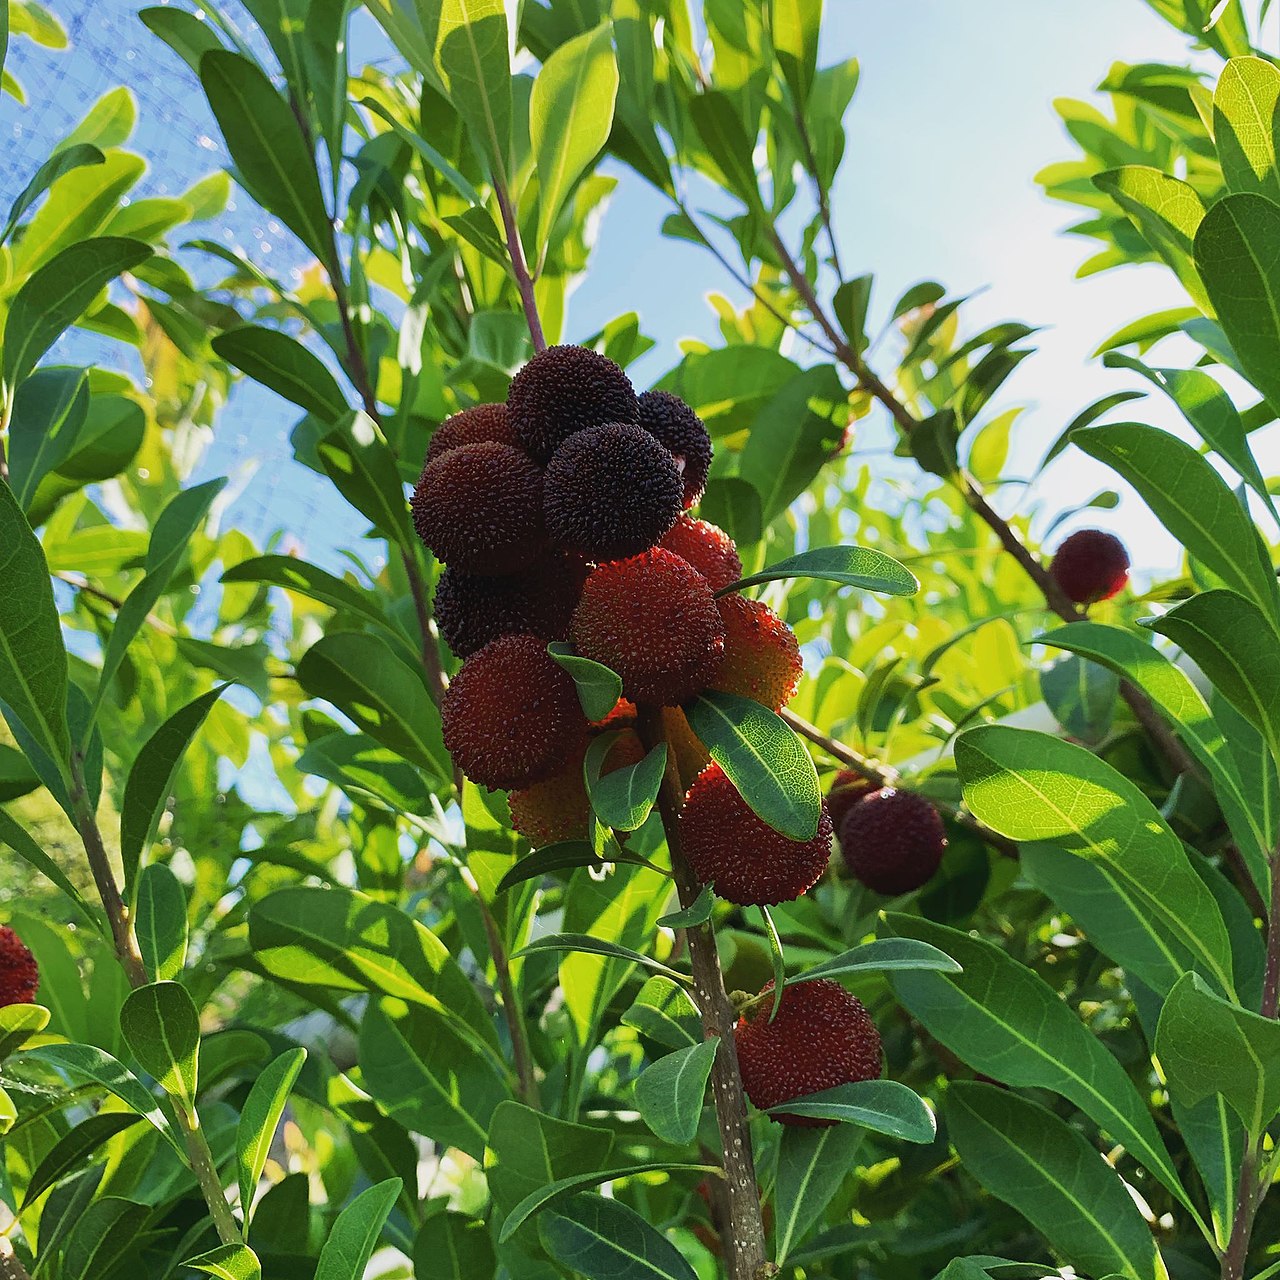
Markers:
(520, 269)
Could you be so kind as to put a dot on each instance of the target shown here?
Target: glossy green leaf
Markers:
(17, 838)
(49, 413)
(735, 506)
(146, 793)
(56, 294)
(18, 1023)
(258, 1120)
(597, 947)
(624, 798)
(561, 856)
(472, 56)
(1082, 696)
(357, 458)
(849, 566)
(62, 161)
(812, 1164)
(162, 1029)
(1244, 110)
(1207, 1045)
(1191, 500)
(308, 580)
(719, 125)
(1033, 787)
(763, 758)
(1003, 1020)
(884, 1106)
(272, 159)
(228, 1262)
(355, 1233)
(182, 31)
(696, 913)
(364, 768)
(669, 1093)
(884, 955)
(8, 1112)
(99, 1239)
(160, 922)
(426, 150)
(387, 698)
(282, 363)
(599, 688)
(1023, 1154)
(570, 116)
(794, 25)
(663, 1012)
(452, 1246)
(73, 1150)
(605, 1240)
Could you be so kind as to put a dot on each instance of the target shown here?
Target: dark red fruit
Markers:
(823, 1037)
(610, 492)
(892, 841)
(479, 507)
(480, 424)
(847, 788)
(563, 390)
(511, 715)
(471, 609)
(741, 857)
(709, 549)
(683, 433)
(19, 975)
(761, 655)
(1091, 565)
(653, 620)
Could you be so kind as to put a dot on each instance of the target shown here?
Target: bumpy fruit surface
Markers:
(823, 1037)
(511, 715)
(479, 507)
(610, 492)
(471, 609)
(761, 655)
(563, 390)
(708, 548)
(653, 620)
(847, 788)
(742, 858)
(559, 808)
(892, 841)
(684, 434)
(1091, 565)
(19, 976)
(482, 423)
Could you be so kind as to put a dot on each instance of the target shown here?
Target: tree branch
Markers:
(520, 269)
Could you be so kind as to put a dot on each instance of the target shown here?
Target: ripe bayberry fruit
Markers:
(19, 974)
(822, 1037)
(892, 841)
(482, 423)
(761, 655)
(684, 435)
(1091, 565)
(708, 548)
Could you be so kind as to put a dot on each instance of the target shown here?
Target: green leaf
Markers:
(73, 1149)
(452, 1246)
(583, 942)
(1031, 786)
(285, 366)
(363, 768)
(696, 913)
(1082, 696)
(258, 1120)
(1236, 646)
(364, 678)
(1191, 500)
(273, 161)
(669, 1093)
(812, 1164)
(227, 1261)
(1207, 1045)
(720, 127)
(426, 151)
(170, 535)
(561, 856)
(33, 662)
(849, 566)
(162, 1029)
(18, 1023)
(1238, 253)
(101, 1236)
(663, 1012)
(570, 116)
(1024, 1155)
(355, 1234)
(1244, 109)
(763, 759)
(24, 845)
(57, 294)
(884, 1106)
(604, 1240)
(160, 922)
(884, 955)
(794, 25)
(599, 688)
(183, 32)
(310, 581)
(62, 161)
(624, 798)
(1002, 1019)
(734, 505)
(146, 794)
(49, 412)
(357, 458)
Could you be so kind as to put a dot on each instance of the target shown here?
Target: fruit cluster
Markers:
(19, 975)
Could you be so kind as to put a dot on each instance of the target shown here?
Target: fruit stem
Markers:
(745, 1251)
(520, 269)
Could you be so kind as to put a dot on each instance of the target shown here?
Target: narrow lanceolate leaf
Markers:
(669, 1093)
(884, 955)
(363, 767)
(183, 32)
(1244, 105)
(146, 794)
(100, 1237)
(271, 156)
(763, 758)
(624, 798)
(561, 856)
(599, 688)
(604, 1240)
(354, 1237)
(33, 661)
(663, 1012)
(583, 942)
(228, 1262)
(812, 1163)
(18, 1023)
(22, 843)
(570, 115)
(74, 1148)
(160, 922)
(696, 913)
(1191, 500)
(1207, 1045)
(57, 294)
(62, 161)
(473, 59)
(282, 363)
(1238, 254)
(1023, 1154)
(49, 411)
(1034, 787)
(885, 1106)
(862, 567)
(357, 458)
(258, 1120)
(795, 25)
(162, 1029)
(1004, 1020)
